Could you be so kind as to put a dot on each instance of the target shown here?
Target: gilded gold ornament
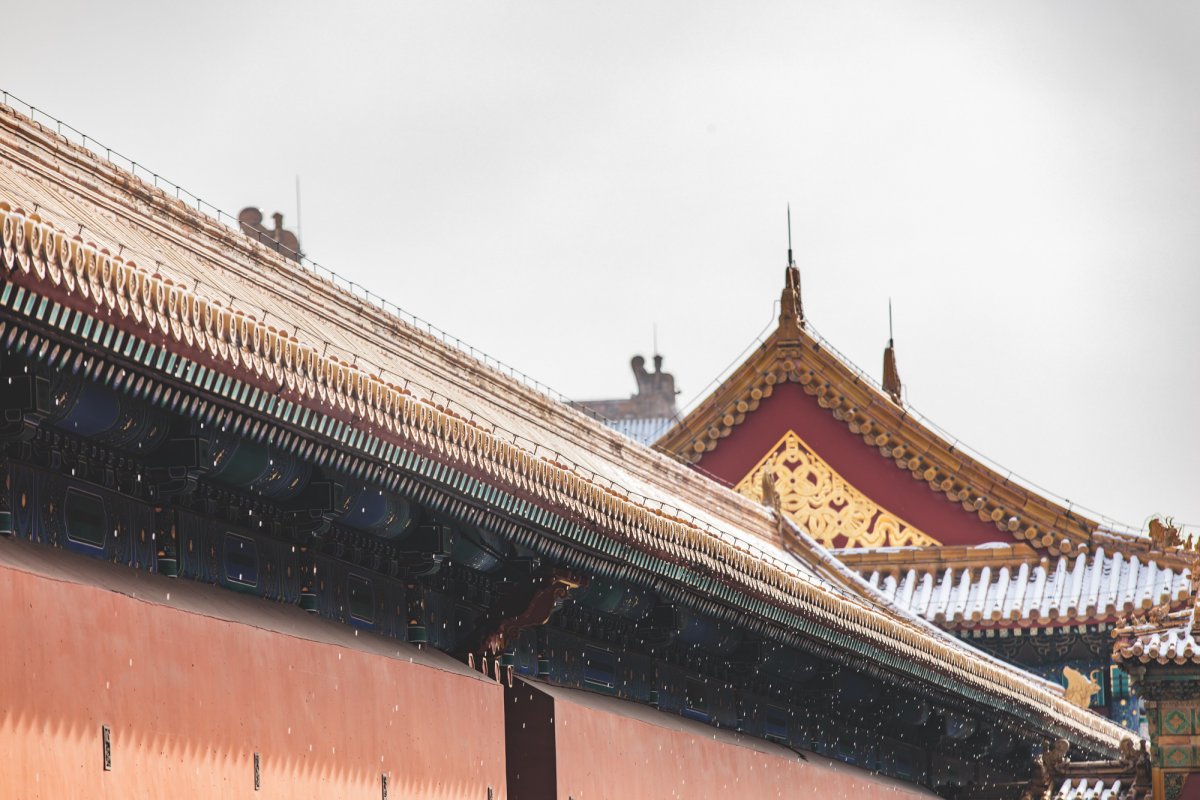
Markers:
(823, 503)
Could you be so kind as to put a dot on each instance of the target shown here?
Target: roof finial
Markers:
(791, 308)
(791, 261)
(891, 338)
(891, 376)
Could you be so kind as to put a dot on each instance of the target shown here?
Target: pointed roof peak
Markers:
(791, 305)
(791, 260)
(891, 375)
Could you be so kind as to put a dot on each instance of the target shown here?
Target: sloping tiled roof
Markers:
(644, 431)
(1084, 789)
(1038, 592)
(1160, 637)
(223, 305)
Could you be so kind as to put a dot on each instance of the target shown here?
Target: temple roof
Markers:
(645, 415)
(1161, 636)
(92, 250)
(644, 430)
(1004, 587)
(794, 355)
(1085, 789)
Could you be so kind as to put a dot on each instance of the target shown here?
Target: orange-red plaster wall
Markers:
(190, 698)
(611, 756)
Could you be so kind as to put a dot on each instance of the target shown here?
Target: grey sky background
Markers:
(549, 180)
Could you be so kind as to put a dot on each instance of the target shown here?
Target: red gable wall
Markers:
(789, 408)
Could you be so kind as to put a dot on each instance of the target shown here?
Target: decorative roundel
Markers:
(172, 301)
(73, 264)
(289, 353)
(96, 269)
(210, 320)
(124, 278)
(241, 329)
(104, 274)
(7, 230)
(59, 259)
(49, 254)
(108, 283)
(34, 231)
(144, 292)
(309, 363)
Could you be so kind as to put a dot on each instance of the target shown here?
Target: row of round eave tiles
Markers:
(862, 425)
(1053, 614)
(1155, 652)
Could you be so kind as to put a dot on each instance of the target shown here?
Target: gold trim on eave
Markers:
(825, 504)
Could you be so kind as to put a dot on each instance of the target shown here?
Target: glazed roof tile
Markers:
(644, 431)
(1086, 789)
(1161, 637)
(1045, 592)
(309, 342)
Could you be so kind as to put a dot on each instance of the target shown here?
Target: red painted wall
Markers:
(789, 408)
(191, 696)
(608, 749)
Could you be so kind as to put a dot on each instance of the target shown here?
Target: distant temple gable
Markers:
(649, 412)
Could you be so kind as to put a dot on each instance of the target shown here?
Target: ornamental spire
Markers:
(891, 376)
(791, 306)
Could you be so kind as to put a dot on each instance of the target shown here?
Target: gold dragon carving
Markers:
(823, 503)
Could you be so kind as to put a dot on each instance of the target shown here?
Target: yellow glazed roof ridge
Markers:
(791, 354)
(42, 254)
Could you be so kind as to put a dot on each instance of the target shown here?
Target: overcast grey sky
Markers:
(549, 180)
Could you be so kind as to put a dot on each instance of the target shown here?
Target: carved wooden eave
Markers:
(75, 299)
(791, 354)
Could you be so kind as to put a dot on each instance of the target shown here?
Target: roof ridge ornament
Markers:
(891, 375)
(791, 305)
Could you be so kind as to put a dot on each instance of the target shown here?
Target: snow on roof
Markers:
(1046, 593)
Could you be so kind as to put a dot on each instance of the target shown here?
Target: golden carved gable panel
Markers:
(823, 503)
